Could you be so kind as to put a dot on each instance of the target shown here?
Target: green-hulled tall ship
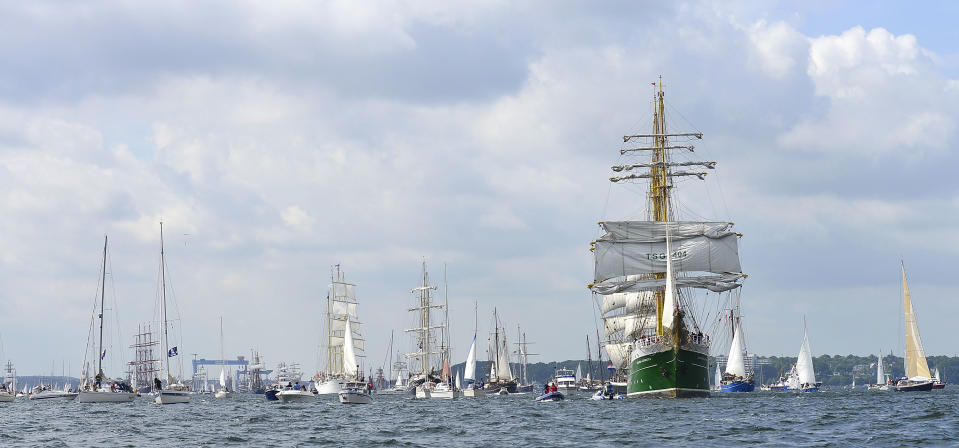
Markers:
(647, 298)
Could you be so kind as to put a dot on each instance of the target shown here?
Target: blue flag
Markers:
(103, 355)
(171, 353)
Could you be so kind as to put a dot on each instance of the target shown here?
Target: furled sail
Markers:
(639, 247)
(804, 366)
(735, 363)
(637, 283)
(470, 374)
(349, 356)
(916, 365)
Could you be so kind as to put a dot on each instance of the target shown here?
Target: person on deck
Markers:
(552, 387)
(157, 384)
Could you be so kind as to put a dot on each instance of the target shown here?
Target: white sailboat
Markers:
(102, 389)
(804, 378)
(917, 369)
(224, 391)
(354, 390)
(175, 391)
(501, 378)
(341, 305)
(469, 374)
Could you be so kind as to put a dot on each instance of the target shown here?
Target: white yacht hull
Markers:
(105, 396)
(330, 387)
(353, 397)
(48, 395)
(5, 398)
(172, 397)
(474, 393)
(422, 392)
(294, 396)
(445, 394)
(222, 394)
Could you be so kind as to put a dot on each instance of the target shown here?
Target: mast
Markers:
(103, 287)
(166, 329)
(446, 328)
(329, 325)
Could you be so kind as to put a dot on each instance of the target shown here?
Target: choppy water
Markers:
(848, 418)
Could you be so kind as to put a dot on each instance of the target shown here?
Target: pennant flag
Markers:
(171, 353)
(103, 355)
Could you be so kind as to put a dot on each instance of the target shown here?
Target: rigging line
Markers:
(673, 109)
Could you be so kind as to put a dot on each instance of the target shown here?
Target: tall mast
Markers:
(103, 287)
(329, 324)
(425, 319)
(446, 327)
(166, 329)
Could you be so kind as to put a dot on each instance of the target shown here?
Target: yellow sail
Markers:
(916, 364)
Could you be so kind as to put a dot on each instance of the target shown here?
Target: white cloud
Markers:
(294, 137)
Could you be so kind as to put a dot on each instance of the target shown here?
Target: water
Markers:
(859, 418)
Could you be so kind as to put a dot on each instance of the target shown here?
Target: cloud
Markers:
(277, 141)
(884, 95)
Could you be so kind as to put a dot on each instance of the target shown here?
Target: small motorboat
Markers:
(552, 396)
(355, 393)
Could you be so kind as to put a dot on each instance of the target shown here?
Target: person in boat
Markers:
(289, 385)
(552, 387)
(157, 384)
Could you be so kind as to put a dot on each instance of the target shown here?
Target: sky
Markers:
(278, 139)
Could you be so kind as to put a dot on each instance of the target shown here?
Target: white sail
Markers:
(880, 375)
(470, 374)
(804, 366)
(640, 247)
(735, 363)
(503, 370)
(618, 353)
(936, 376)
(459, 384)
(719, 377)
(350, 367)
(630, 302)
(342, 309)
(579, 372)
(916, 365)
(222, 378)
(631, 325)
(670, 302)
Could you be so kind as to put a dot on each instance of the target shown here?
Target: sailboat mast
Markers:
(446, 327)
(329, 324)
(425, 319)
(166, 328)
(103, 287)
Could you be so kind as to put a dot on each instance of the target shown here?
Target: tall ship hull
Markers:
(668, 372)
